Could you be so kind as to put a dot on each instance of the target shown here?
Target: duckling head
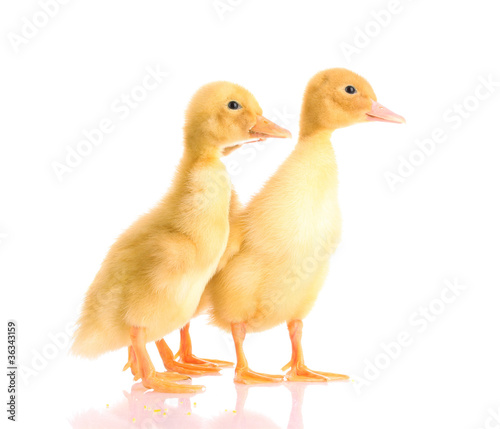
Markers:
(337, 98)
(222, 115)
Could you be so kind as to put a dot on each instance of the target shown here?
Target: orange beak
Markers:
(383, 114)
(264, 128)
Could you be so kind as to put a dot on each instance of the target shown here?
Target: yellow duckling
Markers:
(292, 227)
(151, 281)
(235, 239)
(185, 353)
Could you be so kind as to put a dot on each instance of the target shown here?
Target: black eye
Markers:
(350, 89)
(234, 105)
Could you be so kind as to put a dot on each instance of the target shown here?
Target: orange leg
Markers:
(184, 368)
(186, 353)
(140, 362)
(243, 374)
(298, 370)
(133, 365)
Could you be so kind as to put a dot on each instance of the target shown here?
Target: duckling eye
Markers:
(234, 105)
(350, 89)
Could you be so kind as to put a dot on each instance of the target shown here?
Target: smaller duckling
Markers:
(151, 281)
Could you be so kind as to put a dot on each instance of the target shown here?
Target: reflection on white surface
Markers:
(148, 409)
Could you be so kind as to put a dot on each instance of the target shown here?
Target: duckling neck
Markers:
(320, 135)
(317, 147)
(198, 202)
(315, 154)
(202, 152)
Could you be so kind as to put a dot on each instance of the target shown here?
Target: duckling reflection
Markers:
(242, 418)
(147, 409)
(144, 409)
(297, 390)
(150, 409)
(250, 419)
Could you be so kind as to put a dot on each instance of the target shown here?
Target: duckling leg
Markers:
(184, 368)
(133, 365)
(299, 371)
(243, 374)
(186, 353)
(151, 379)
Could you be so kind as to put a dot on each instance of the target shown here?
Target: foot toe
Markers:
(172, 376)
(160, 384)
(192, 369)
(305, 374)
(247, 376)
(214, 363)
(332, 376)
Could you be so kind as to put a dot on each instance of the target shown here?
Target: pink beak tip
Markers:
(383, 114)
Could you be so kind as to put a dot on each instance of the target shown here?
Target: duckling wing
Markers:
(140, 276)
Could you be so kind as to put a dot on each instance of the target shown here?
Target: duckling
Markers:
(185, 353)
(151, 280)
(291, 227)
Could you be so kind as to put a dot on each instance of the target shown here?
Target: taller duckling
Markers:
(151, 281)
(291, 228)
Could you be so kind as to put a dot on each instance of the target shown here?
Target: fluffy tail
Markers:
(91, 340)
(97, 334)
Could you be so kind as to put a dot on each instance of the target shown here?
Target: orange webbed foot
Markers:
(185, 353)
(172, 376)
(159, 382)
(192, 359)
(303, 373)
(192, 369)
(183, 368)
(134, 368)
(142, 367)
(298, 370)
(247, 376)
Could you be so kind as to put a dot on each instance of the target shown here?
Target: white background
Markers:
(400, 246)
